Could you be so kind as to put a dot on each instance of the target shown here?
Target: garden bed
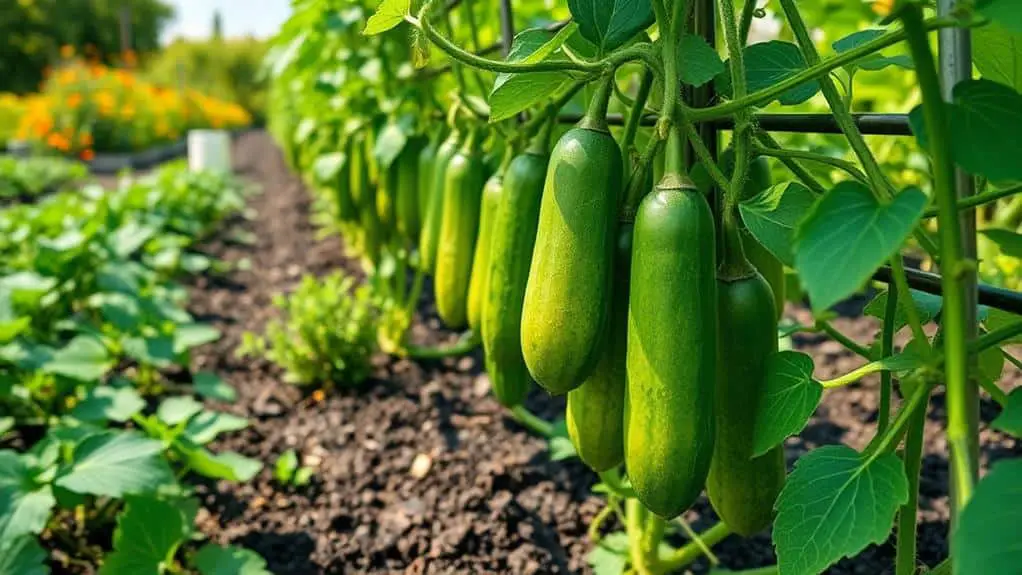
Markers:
(422, 470)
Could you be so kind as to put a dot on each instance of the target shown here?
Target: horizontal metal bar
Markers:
(870, 124)
(991, 296)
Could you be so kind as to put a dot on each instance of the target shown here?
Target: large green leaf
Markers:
(84, 358)
(927, 305)
(148, 533)
(1007, 13)
(1009, 242)
(514, 93)
(997, 53)
(389, 14)
(23, 556)
(835, 503)
(24, 506)
(986, 118)
(847, 236)
(768, 63)
(773, 215)
(609, 24)
(109, 403)
(328, 166)
(989, 530)
(193, 335)
(117, 463)
(157, 351)
(789, 398)
(698, 61)
(216, 560)
(227, 465)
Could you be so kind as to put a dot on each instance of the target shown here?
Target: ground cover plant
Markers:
(100, 416)
(640, 273)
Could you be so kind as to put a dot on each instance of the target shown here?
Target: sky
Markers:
(241, 17)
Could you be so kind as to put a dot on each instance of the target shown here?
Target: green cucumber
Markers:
(430, 236)
(513, 235)
(596, 409)
(406, 197)
(672, 347)
(492, 192)
(743, 489)
(459, 224)
(565, 314)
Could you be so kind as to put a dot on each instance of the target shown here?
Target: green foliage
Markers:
(28, 178)
(36, 30)
(227, 69)
(287, 471)
(987, 535)
(327, 334)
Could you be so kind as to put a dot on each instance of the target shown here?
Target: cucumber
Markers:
(386, 197)
(427, 158)
(743, 489)
(513, 235)
(459, 224)
(596, 409)
(344, 203)
(406, 197)
(491, 198)
(672, 347)
(566, 299)
(359, 174)
(430, 236)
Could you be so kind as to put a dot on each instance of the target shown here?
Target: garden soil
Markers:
(421, 470)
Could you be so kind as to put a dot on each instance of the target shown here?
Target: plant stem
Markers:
(594, 528)
(997, 394)
(843, 339)
(652, 534)
(954, 314)
(995, 337)
(813, 72)
(856, 375)
(796, 168)
(943, 568)
(886, 350)
(466, 343)
(907, 303)
(635, 523)
(742, 136)
(635, 114)
(844, 165)
(532, 422)
(887, 442)
(905, 559)
(704, 156)
(692, 550)
(979, 199)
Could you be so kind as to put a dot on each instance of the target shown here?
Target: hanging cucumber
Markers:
(566, 299)
(430, 236)
(596, 409)
(359, 174)
(672, 343)
(459, 224)
(344, 203)
(406, 197)
(492, 192)
(742, 488)
(426, 160)
(513, 235)
(386, 197)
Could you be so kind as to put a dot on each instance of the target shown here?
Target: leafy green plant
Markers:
(287, 471)
(326, 335)
(27, 178)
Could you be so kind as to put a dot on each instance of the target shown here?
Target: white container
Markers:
(209, 150)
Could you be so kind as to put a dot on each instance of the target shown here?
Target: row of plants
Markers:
(101, 418)
(641, 273)
(85, 108)
(28, 178)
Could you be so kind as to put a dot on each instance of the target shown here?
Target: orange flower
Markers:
(130, 58)
(58, 142)
(74, 100)
(67, 51)
(87, 155)
(883, 7)
(85, 139)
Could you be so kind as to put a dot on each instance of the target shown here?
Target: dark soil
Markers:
(421, 471)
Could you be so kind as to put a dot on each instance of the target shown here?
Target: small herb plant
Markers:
(326, 335)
